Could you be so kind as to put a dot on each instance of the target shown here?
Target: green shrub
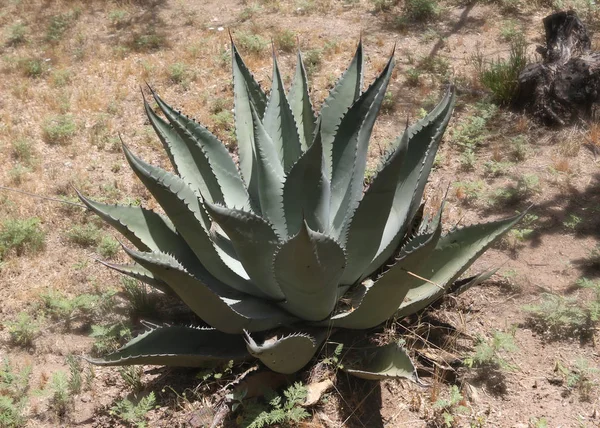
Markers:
(286, 40)
(84, 236)
(21, 236)
(13, 400)
(421, 10)
(59, 129)
(251, 43)
(108, 247)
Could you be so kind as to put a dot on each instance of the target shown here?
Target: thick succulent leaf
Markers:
(299, 99)
(255, 243)
(145, 229)
(453, 255)
(349, 154)
(246, 95)
(306, 191)
(186, 212)
(141, 274)
(287, 354)
(280, 124)
(199, 157)
(342, 96)
(384, 362)
(377, 302)
(423, 142)
(369, 220)
(214, 302)
(307, 268)
(270, 178)
(177, 346)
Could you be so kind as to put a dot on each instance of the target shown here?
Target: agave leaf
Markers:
(307, 268)
(183, 207)
(370, 218)
(378, 302)
(384, 362)
(177, 346)
(423, 142)
(214, 302)
(287, 354)
(246, 95)
(462, 285)
(269, 178)
(199, 157)
(146, 229)
(453, 255)
(299, 100)
(141, 274)
(280, 124)
(349, 154)
(306, 191)
(255, 242)
(342, 96)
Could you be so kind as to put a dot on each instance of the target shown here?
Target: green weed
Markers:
(62, 308)
(31, 67)
(109, 337)
(23, 330)
(132, 376)
(581, 377)
(447, 409)
(13, 400)
(572, 222)
(134, 413)
(490, 352)
(560, 316)
(278, 410)
(21, 236)
(178, 73)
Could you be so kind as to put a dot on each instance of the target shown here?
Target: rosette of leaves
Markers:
(286, 246)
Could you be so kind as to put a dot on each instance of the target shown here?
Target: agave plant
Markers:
(276, 252)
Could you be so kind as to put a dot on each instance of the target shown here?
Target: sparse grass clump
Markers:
(500, 76)
(285, 40)
(16, 34)
(178, 73)
(448, 410)
(21, 236)
(148, 42)
(59, 129)
(22, 150)
(59, 24)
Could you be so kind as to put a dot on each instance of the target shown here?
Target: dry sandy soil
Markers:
(79, 66)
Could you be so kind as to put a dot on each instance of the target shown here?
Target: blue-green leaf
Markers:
(299, 99)
(177, 346)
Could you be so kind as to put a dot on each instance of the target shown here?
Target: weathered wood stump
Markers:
(565, 86)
